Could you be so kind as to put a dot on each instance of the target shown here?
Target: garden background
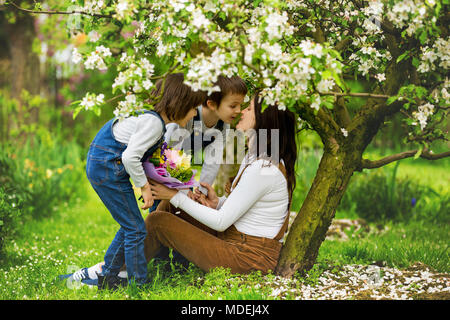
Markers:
(51, 221)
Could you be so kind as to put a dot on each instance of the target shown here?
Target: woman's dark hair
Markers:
(233, 85)
(176, 99)
(285, 122)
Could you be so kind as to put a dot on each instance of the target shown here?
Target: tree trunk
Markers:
(24, 63)
(308, 230)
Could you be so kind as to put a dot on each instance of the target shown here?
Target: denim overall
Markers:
(108, 177)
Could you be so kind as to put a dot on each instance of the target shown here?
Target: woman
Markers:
(244, 231)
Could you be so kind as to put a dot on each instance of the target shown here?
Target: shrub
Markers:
(433, 207)
(43, 173)
(378, 196)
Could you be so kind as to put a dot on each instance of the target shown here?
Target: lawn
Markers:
(411, 257)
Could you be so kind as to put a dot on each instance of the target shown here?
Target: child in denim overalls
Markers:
(107, 173)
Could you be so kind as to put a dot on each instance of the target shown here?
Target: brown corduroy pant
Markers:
(205, 247)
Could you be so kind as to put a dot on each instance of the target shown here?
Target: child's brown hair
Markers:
(177, 98)
(233, 85)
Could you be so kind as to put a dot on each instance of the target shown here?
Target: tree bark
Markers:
(25, 73)
(308, 230)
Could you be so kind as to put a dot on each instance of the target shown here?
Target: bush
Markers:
(42, 174)
(433, 208)
(379, 196)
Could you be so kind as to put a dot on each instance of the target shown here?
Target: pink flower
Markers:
(173, 157)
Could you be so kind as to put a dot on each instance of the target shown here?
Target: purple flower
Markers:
(163, 148)
(413, 202)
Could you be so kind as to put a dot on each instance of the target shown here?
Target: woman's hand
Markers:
(191, 195)
(212, 200)
(161, 192)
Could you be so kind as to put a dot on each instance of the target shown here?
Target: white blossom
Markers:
(121, 8)
(76, 56)
(147, 84)
(127, 106)
(199, 20)
(311, 48)
(380, 77)
(424, 111)
(325, 85)
(94, 36)
(90, 100)
(316, 102)
(277, 25)
(344, 132)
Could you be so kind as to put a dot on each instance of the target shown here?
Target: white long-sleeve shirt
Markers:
(257, 206)
(139, 133)
(210, 168)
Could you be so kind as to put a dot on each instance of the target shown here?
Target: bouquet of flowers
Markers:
(171, 167)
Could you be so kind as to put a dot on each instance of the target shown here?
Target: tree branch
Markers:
(343, 117)
(61, 12)
(355, 94)
(369, 164)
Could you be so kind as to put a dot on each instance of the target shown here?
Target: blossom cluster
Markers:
(411, 14)
(135, 75)
(92, 7)
(438, 52)
(128, 106)
(423, 113)
(95, 60)
(264, 43)
(91, 100)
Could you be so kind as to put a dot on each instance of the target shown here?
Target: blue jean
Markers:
(111, 182)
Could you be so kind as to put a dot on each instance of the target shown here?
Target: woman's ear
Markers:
(211, 104)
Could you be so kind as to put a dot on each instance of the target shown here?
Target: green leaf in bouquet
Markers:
(154, 161)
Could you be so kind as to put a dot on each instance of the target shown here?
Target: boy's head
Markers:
(177, 99)
(227, 102)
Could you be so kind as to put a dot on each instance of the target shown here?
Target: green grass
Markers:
(399, 245)
(78, 235)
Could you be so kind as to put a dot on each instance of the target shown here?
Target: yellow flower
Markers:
(59, 170)
(29, 164)
(185, 162)
(30, 186)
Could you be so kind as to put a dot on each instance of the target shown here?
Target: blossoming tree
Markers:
(302, 56)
